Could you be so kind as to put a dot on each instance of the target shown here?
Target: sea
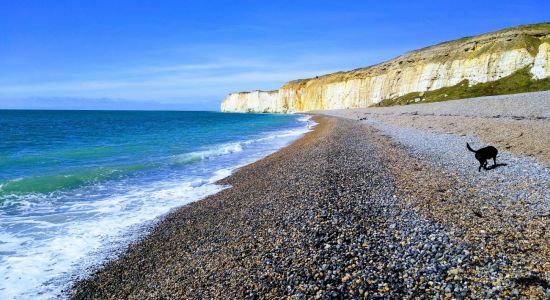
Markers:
(77, 186)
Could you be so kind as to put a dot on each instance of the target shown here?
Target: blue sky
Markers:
(190, 54)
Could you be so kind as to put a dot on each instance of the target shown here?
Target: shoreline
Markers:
(341, 212)
(81, 225)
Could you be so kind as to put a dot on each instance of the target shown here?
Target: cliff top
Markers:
(254, 91)
(525, 36)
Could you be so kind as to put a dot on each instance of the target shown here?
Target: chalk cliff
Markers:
(484, 58)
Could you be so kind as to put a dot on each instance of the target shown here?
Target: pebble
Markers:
(327, 217)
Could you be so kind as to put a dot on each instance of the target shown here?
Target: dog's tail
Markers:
(470, 148)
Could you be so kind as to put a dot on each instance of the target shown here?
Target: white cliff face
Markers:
(478, 60)
(541, 67)
(367, 91)
(255, 101)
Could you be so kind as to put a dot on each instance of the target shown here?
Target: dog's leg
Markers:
(480, 165)
(495, 160)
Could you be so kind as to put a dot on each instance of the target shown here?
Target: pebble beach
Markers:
(360, 207)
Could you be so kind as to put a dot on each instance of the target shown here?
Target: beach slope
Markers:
(348, 211)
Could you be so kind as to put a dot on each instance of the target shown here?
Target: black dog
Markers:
(483, 154)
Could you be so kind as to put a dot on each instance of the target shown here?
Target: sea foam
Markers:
(49, 240)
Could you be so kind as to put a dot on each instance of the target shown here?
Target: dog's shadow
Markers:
(495, 166)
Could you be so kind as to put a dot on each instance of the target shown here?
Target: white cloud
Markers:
(221, 72)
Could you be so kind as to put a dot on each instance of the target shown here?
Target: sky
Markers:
(188, 55)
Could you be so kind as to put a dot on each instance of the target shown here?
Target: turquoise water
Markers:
(73, 183)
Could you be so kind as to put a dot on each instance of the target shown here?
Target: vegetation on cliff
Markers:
(519, 82)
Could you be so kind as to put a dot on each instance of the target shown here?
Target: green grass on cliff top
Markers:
(518, 82)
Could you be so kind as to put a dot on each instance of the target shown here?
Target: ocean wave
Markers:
(236, 147)
(56, 182)
(53, 183)
(216, 151)
(59, 232)
(280, 134)
(95, 227)
(304, 118)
